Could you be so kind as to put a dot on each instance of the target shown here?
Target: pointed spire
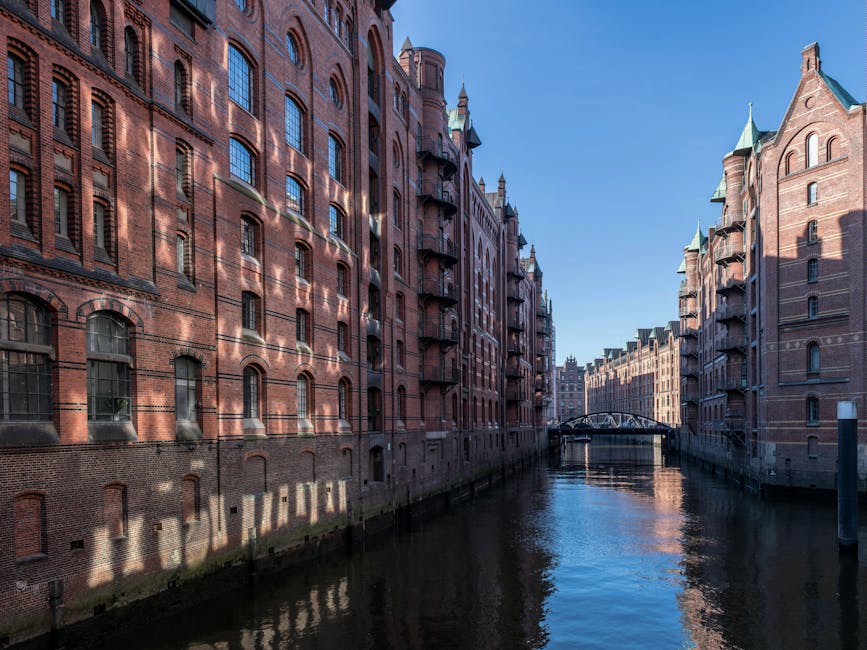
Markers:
(532, 250)
(501, 186)
(407, 45)
(698, 240)
(749, 136)
(463, 101)
(482, 184)
(463, 93)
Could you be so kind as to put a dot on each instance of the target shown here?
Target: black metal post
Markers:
(847, 476)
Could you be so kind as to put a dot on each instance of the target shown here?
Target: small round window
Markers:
(292, 48)
(335, 92)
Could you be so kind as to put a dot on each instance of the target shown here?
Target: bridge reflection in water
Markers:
(612, 449)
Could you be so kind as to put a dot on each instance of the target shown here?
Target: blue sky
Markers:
(610, 121)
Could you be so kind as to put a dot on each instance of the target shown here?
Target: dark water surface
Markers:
(615, 547)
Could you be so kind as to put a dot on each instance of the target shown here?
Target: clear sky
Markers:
(610, 119)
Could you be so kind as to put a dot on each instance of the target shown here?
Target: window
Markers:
(812, 270)
(58, 12)
(182, 93)
(397, 217)
(399, 307)
(374, 410)
(812, 193)
(114, 505)
(398, 261)
(294, 196)
(130, 54)
(374, 308)
(372, 76)
(812, 446)
(249, 311)
(812, 410)
(336, 222)
(15, 81)
(249, 237)
(302, 261)
(302, 389)
(28, 514)
(334, 92)
(102, 230)
(18, 196)
(184, 257)
(292, 49)
(812, 150)
(294, 124)
(335, 159)
(98, 34)
(812, 232)
(343, 399)
(242, 5)
(241, 162)
(377, 469)
(342, 280)
(400, 355)
(25, 366)
(182, 172)
(401, 403)
(108, 368)
(812, 307)
(251, 393)
(62, 223)
(791, 162)
(813, 357)
(59, 98)
(374, 354)
(97, 115)
(186, 398)
(831, 149)
(302, 326)
(343, 338)
(240, 79)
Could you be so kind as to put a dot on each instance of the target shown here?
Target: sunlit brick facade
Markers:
(570, 390)
(250, 289)
(772, 306)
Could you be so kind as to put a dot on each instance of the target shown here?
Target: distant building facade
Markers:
(642, 378)
(570, 390)
(771, 304)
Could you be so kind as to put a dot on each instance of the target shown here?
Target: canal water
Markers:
(612, 546)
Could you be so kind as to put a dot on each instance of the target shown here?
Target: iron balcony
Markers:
(515, 325)
(433, 287)
(731, 311)
(687, 291)
(514, 294)
(513, 371)
(428, 149)
(732, 343)
(730, 222)
(433, 330)
(730, 282)
(687, 331)
(438, 246)
(372, 326)
(732, 251)
(432, 192)
(688, 367)
(515, 349)
(733, 426)
(515, 394)
(687, 311)
(441, 375)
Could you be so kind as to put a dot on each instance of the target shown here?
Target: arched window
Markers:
(400, 406)
(240, 79)
(184, 256)
(187, 399)
(398, 261)
(812, 232)
(812, 270)
(190, 499)
(109, 396)
(302, 261)
(812, 193)
(831, 149)
(812, 145)
(377, 471)
(16, 86)
(302, 390)
(294, 195)
(399, 306)
(343, 338)
(812, 307)
(334, 92)
(249, 311)
(372, 74)
(303, 326)
(294, 124)
(791, 159)
(397, 213)
(812, 446)
(249, 237)
(343, 399)
(335, 158)
(813, 357)
(59, 13)
(182, 89)
(29, 526)
(252, 380)
(336, 222)
(60, 97)
(242, 162)
(131, 54)
(342, 280)
(25, 365)
(98, 33)
(374, 410)
(812, 410)
(293, 49)
(400, 354)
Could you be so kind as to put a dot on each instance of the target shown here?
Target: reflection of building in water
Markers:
(642, 378)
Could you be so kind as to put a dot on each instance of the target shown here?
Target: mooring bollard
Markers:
(847, 475)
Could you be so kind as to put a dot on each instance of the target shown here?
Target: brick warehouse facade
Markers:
(570, 390)
(642, 378)
(251, 291)
(772, 305)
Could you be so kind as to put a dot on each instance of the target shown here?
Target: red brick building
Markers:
(570, 390)
(251, 290)
(772, 306)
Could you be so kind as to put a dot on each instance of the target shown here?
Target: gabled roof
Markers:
(839, 92)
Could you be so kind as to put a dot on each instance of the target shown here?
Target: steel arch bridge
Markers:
(614, 422)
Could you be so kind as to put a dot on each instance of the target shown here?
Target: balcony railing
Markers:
(438, 245)
(514, 371)
(731, 281)
(730, 221)
(732, 343)
(430, 374)
(435, 150)
(729, 252)
(515, 325)
(686, 291)
(687, 331)
(516, 349)
(688, 348)
(437, 288)
(686, 311)
(688, 367)
(731, 311)
(437, 331)
(433, 192)
(732, 426)
(514, 294)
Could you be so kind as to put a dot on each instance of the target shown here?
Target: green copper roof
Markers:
(699, 241)
(749, 136)
(840, 93)
(682, 267)
(719, 194)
